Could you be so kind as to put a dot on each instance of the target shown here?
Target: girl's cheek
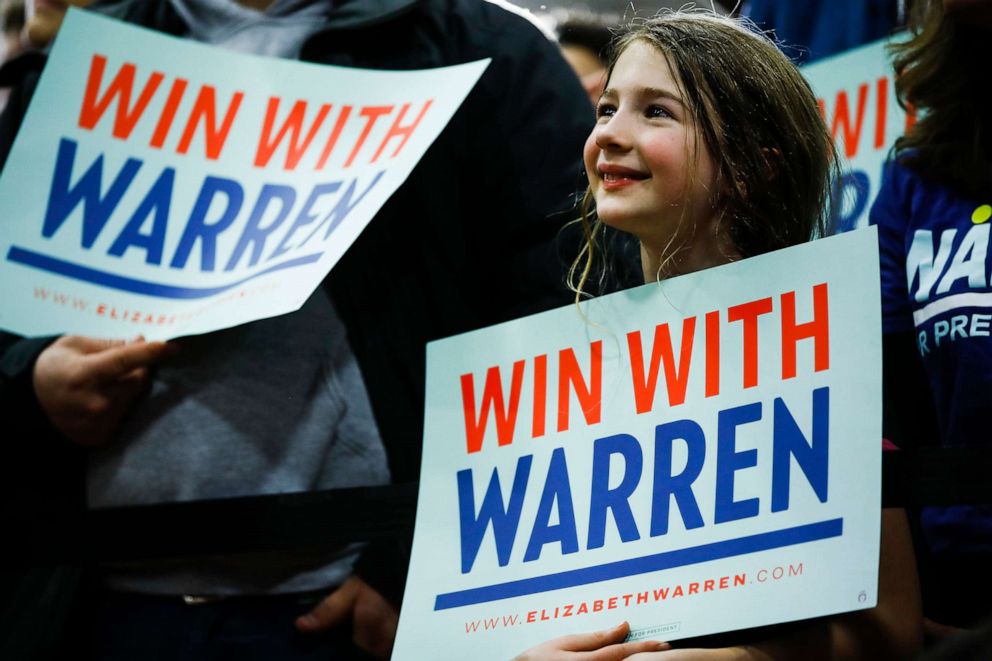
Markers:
(663, 152)
(590, 154)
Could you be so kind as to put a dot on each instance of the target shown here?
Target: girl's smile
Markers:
(618, 176)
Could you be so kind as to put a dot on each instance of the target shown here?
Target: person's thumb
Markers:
(332, 611)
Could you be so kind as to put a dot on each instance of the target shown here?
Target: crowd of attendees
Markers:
(98, 423)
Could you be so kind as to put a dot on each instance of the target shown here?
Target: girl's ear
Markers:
(773, 162)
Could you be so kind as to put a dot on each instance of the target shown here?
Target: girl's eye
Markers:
(605, 110)
(654, 111)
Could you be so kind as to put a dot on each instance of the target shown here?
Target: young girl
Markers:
(709, 148)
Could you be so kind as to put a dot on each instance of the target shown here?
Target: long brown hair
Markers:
(759, 120)
(940, 72)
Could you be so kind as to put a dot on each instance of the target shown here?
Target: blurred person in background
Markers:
(932, 214)
(44, 18)
(584, 44)
(12, 23)
(813, 29)
(338, 384)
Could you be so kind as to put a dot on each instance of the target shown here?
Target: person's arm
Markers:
(909, 419)
(17, 359)
(80, 386)
(908, 416)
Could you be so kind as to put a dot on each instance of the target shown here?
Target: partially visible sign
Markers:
(858, 101)
(697, 455)
(163, 187)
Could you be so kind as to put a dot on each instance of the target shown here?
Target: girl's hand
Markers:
(604, 645)
(697, 654)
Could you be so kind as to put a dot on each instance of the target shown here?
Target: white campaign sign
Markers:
(163, 187)
(692, 456)
(858, 102)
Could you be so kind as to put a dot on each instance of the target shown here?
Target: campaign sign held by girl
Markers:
(699, 454)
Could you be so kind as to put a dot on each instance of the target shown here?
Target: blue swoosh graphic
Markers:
(123, 283)
(714, 551)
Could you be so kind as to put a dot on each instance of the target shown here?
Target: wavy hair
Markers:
(940, 75)
(757, 117)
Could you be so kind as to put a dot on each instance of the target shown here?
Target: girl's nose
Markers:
(612, 136)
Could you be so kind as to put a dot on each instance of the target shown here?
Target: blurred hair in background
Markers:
(12, 21)
(584, 43)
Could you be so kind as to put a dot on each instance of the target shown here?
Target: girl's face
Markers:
(639, 156)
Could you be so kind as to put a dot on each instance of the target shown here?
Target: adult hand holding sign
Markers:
(373, 618)
(86, 386)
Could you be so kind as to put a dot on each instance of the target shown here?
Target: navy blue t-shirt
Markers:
(935, 260)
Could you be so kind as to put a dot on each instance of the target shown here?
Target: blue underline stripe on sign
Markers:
(124, 283)
(650, 563)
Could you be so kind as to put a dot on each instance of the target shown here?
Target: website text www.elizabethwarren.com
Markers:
(626, 600)
(139, 317)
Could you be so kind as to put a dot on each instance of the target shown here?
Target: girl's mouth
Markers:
(615, 177)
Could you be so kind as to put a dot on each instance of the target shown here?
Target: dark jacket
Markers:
(470, 239)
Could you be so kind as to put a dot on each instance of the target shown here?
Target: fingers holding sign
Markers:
(606, 645)
(372, 618)
(86, 386)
